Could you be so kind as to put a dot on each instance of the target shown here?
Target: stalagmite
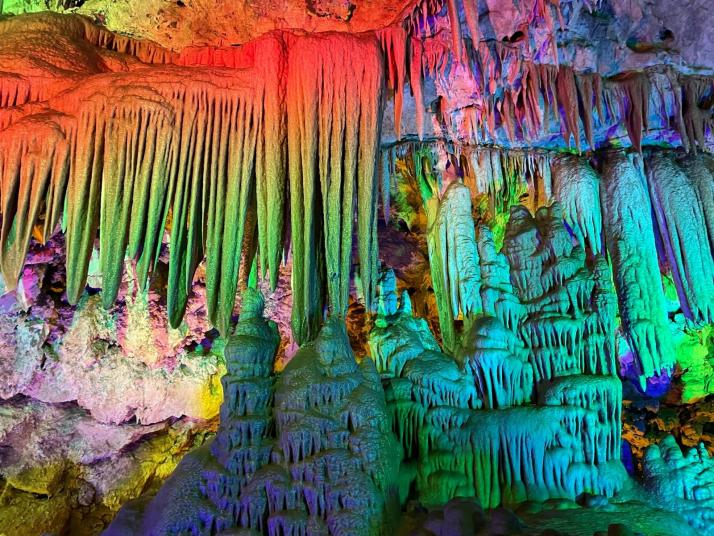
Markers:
(497, 293)
(503, 375)
(568, 322)
(629, 235)
(682, 482)
(397, 336)
(242, 444)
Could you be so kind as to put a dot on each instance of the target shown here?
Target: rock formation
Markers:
(310, 267)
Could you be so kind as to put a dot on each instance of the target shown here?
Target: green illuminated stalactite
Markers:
(117, 197)
(306, 281)
(629, 235)
(370, 98)
(684, 235)
(82, 201)
(429, 188)
(186, 242)
(334, 112)
(149, 202)
(271, 154)
(31, 172)
(700, 171)
(227, 222)
(577, 188)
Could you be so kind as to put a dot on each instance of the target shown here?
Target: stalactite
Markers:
(471, 15)
(82, 201)
(568, 100)
(589, 88)
(633, 93)
(700, 171)
(630, 241)
(694, 91)
(394, 44)
(34, 156)
(683, 230)
(228, 201)
(144, 50)
(271, 153)
(437, 262)
(196, 157)
(577, 188)
(456, 43)
(416, 82)
(149, 202)
(334, 110)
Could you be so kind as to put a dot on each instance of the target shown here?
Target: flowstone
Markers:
(529, 407)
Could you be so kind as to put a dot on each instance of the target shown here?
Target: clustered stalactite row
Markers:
(114, 144)
(127, 154)
(519, 100)
(649, 214)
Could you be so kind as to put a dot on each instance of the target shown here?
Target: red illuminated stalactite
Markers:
(416, 82)
(633, 93)
(456, 44)
(568, 100)
(394, 44)
(471, 15)
(585, 90)
(33, 167)
(696, 119)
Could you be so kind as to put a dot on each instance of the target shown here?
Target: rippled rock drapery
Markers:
(684, 481)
